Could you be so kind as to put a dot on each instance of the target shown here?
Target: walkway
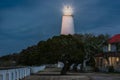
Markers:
(54, 74)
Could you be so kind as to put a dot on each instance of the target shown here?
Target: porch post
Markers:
(109, 47)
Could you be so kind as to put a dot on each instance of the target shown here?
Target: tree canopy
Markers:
(65, 48)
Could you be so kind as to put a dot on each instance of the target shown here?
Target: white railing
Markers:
(19, 73)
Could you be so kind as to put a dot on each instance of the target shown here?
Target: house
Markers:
(110, 58)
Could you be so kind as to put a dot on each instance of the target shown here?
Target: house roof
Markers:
(114, 39)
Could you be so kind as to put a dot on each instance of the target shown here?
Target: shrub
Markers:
(111, 69)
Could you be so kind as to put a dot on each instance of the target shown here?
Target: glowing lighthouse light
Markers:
(67, 21)
(67, 10)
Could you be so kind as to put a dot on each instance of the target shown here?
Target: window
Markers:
(118, 46)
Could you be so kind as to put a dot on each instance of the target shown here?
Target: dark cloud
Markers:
(16, 3)
(25, 22)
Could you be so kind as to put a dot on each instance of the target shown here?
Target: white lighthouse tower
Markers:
(67, 21)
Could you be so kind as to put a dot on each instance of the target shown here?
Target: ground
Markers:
(54, 74)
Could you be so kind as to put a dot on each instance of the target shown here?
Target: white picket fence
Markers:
(19, 73)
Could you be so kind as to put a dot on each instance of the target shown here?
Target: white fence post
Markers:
(3, 75)
(9, 75)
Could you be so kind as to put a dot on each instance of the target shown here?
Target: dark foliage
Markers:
(68, 49)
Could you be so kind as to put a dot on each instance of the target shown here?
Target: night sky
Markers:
(25, 22)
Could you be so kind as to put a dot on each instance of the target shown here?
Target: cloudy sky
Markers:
(25, 22)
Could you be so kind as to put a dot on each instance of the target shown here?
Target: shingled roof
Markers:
(114, 39)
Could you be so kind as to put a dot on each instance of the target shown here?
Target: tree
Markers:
(92, 45)
(69, 49)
